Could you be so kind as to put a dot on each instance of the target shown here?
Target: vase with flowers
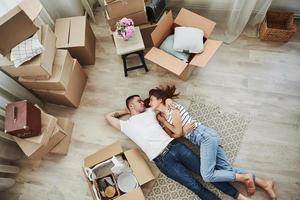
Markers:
(125, 28)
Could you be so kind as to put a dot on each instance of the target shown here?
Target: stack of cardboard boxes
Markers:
(56, 74)
(55, 138)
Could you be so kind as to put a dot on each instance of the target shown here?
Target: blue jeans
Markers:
(179, 163)
(214, 163)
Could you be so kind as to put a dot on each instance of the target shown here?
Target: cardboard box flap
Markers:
(163, 29)
(62, 29)
(103, 154)
(190, 19)
(48, 41)
(77, 38)
(136, 194)
(210, 47)
(139, 166)
(10, 24)
(31, 7)
(166, 60)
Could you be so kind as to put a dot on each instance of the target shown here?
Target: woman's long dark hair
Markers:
(164, 92)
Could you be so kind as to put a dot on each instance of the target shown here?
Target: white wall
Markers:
(63, 8)
(288, 5)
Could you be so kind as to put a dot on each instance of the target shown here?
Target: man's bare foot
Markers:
(269, 188)
(249, 184)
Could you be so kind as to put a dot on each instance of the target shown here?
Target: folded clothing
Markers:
(188, 39)
(26, 50)
(167, 46)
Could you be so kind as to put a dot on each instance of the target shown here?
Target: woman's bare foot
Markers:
(250, 184)
(242, 197)
(269, 188)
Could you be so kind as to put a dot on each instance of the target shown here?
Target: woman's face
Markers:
(154, 102)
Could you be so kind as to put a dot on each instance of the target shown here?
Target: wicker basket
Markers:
(277, 26)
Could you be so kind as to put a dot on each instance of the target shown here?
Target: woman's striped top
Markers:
(184, 115)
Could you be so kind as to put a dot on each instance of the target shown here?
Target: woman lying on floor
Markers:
(215, 167)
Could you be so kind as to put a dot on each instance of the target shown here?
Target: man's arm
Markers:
(113, 118)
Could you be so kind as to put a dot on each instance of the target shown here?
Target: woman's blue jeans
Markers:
(178, 164)
(214, 163)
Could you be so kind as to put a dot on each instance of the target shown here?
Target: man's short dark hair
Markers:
(129, 99)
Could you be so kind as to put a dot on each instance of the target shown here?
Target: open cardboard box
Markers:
(61, 73)
(76, 35)
(73, 93)
(138, 165)
(17, 24)
(41, 65)
(147, 29)
(166, 27)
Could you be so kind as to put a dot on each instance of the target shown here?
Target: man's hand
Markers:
(189, 127)
(113, 118)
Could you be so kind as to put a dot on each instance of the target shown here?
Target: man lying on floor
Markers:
(173, 158)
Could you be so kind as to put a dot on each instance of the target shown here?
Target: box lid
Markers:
(20, 16)
(32, 8)
(70, 32)
(163, 29)
(139, 166)
(46, 58)
(210, 47)
(103, 154)
(48, 123)
(136, 194)
(166, 60)
(190, 19)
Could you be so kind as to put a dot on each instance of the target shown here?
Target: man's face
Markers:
(137, 104)
(154, 102)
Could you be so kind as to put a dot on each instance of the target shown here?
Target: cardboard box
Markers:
(76, 35)
(72, 95)
(36, 151)
(138, 165)
(147, 29)
(40, 65)
(48, 125)
(17, 24)
(62, 147)
(166, 27)
(138, 19)
(121, 8)
(61, 73)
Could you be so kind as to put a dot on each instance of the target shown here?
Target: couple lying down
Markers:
(156, 135)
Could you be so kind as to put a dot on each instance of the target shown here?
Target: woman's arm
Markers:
(176, 127)
(161, 118)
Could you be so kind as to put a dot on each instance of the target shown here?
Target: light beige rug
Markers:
(230, 126)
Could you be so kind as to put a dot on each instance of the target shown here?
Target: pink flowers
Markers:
(125, 28)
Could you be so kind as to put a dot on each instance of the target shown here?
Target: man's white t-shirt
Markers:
(145, 131)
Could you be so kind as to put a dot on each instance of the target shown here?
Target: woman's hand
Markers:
(161, 118)
(189, 127)
(170, 104)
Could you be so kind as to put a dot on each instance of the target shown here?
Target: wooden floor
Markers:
(258, 79)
